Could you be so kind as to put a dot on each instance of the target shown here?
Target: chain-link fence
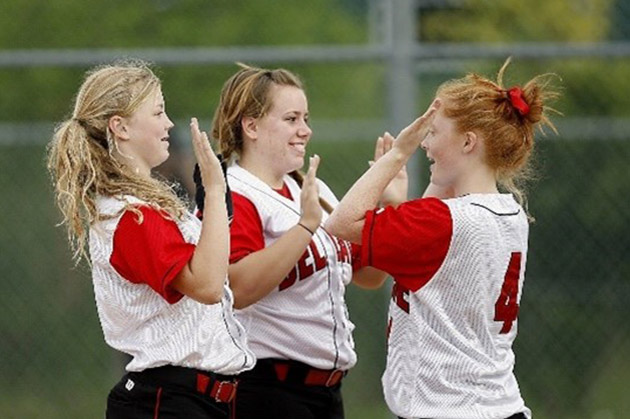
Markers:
(573, 337)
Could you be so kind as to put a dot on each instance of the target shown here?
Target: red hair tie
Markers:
(515, 94)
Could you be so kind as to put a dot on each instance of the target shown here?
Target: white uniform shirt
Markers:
(458, 271)
(305, 318)
(138, 321)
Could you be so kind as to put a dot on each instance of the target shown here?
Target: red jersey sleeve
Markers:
(409, 242)
(246, 231)
(152, 253)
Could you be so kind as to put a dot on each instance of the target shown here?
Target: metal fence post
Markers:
(400, 40)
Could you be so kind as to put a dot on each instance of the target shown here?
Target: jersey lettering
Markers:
(400, 296)
(344, 254)
(506, 307)
(309, 263)
(344, 251)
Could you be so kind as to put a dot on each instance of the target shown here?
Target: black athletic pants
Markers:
(166, 393)
(263, 395)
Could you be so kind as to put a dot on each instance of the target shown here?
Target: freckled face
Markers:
(443, 145)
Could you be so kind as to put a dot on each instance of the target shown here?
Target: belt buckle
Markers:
(334, 377)
(217, 395)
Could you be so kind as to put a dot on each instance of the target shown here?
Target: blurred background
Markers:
(368, 66)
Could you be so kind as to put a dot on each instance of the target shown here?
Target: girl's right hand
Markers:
(411, 136)
(309, 198)
(209, 165)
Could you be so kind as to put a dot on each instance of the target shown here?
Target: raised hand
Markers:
(309, 198)
(396, 191)
(209, 165)
(411, 136)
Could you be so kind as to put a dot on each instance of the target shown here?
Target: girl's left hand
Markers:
(396, 192)
(209, 165)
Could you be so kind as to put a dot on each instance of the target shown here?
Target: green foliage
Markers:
(590, 87)
(572, 332)
(595, 87)
(519, 21)
(348, 93)
(168, 23)
(46, 93)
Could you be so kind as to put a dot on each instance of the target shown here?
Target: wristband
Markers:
(306, 228)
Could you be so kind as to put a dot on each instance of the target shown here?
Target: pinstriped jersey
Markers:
(140, 322)
(305, 318)
(458, 280)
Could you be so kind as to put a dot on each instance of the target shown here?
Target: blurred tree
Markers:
(168, 23)
(44, 93)
(591, 87)
(517, 21)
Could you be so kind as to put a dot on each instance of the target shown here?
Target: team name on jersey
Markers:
(312, 261)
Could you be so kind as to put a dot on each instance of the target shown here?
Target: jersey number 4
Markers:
(506, 307)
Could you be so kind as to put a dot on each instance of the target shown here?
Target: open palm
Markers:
(396, 191)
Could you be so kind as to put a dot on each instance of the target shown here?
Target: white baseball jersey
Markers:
(458, 268)
(305, 318)
(138, 321)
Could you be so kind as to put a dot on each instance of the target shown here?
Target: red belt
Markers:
(327, 378)
(220, 391)
(220, 388)
(311, 376)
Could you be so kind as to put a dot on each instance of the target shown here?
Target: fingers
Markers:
(378, 149)
(311, 208)
(422, 120)
(209, 166)
(383, 145)
(421, 123)
(309, 180)
(313, 164)
(388, 142)
(197, 136)
(430, 112)
(201, 145)
(194, 129)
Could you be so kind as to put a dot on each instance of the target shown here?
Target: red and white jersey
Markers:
(305, 318)
(133, 266)
(458, 267)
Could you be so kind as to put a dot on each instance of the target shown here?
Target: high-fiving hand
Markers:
(411, 136)
(309, 198)
(396, 191)
(209, 165)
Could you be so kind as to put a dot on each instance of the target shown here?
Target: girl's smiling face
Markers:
(283, 132)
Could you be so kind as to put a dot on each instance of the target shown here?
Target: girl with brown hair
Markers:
(288, 274)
